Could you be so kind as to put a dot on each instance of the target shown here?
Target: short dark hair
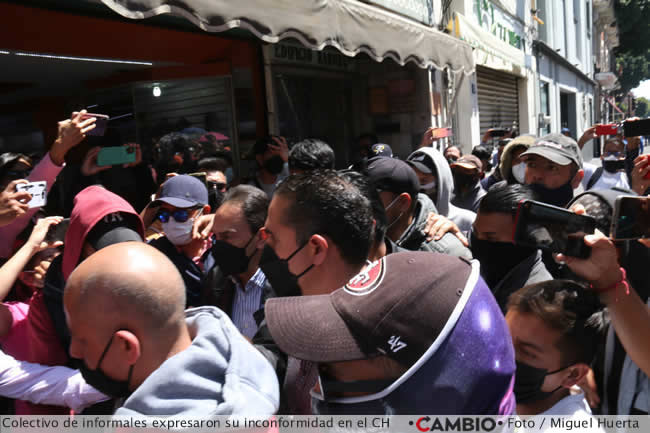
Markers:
(311, 154)
(213, 164)
(370, 191)
(597, 208)
(8, 159)
(325, 202)
(568, 307)
(482, 152)
(254, 204)
(505, 198)
(452, 146)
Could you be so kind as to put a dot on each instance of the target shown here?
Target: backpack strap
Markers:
(594, 177)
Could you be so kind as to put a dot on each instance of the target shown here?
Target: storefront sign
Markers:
(419, 10)
(299, 55)
(500, 24)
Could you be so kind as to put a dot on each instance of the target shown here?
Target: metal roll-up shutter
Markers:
(498, 99)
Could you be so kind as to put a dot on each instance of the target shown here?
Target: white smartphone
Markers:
(38, 190)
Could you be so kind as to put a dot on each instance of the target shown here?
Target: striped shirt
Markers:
(246, 302)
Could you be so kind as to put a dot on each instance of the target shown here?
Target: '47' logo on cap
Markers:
(396, 344)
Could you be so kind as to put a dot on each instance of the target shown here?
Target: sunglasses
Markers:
(217, 185)
(180, 215)
(616, 154)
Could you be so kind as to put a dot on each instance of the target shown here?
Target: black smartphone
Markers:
(57, 232)
(636, 128)
(101, 122)
(631, 218)
(553, 229)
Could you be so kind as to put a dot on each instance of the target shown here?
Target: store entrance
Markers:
(314, 107)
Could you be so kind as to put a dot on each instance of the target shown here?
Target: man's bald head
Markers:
(127, 285)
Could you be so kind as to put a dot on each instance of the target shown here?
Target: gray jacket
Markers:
(530, 271)
(220, 373)
(414, 239)
(463, 218)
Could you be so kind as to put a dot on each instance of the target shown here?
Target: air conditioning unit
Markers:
(543, 120)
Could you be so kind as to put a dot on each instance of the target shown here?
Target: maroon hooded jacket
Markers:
(47, 330)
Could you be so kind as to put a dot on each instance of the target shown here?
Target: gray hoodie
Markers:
(463, 218)
(414, 239)
(220, 373)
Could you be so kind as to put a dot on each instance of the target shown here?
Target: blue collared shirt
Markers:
(246, 302)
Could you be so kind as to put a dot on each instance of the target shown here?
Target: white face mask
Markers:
(179, 234)
(519, 172)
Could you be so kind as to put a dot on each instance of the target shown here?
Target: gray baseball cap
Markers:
(558, 148)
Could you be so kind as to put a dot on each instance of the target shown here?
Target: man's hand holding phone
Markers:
(601, 268)
(13, 203)
(71, 132)
(641, 174)
(89, 167)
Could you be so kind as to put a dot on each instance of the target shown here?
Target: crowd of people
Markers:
(391, 287)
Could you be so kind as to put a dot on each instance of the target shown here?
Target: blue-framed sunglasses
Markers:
(179, 215)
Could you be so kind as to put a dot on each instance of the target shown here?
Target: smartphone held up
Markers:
(631, 218)
(553, 229)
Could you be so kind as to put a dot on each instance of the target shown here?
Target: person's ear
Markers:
(575, 182)
(576, 373)
(405, 202)
(129, 345)
(318, 246)
(206, 209)
(260, 242)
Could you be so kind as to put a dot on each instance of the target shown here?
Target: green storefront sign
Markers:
(507, 35)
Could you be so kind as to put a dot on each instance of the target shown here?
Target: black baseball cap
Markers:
(394, 175)
(112, 229)
(557, 148)
(396, 307)
(423, 162)
(381, 149)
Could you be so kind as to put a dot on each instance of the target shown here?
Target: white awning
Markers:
(490, 51)
(349, 25)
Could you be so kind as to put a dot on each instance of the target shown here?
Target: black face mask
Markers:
(529, 381)
(277, 272)
(215, 197)
(463, 182)
(497, 258)
(557, 197)
(274, 164)
(100, 381)
(231, 259)
(613, 166)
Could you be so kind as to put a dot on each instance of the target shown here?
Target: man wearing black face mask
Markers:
(319, 231)
(407, 209)
(467, 182)
(125, 309)
(272, 156)
(556, 327)
(236, 284)
(612, 172)
(554, 168)
(506, 267)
